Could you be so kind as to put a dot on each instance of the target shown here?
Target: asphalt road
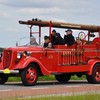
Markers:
(16, 89)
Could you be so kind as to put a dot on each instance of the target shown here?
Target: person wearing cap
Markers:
(33, 41)
(56, 38)
(47, 41)
(69, 38)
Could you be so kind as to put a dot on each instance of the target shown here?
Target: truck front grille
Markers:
(7, 54)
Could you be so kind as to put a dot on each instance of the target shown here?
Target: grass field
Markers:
(72, 97)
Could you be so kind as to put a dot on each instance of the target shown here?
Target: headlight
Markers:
(0, 54)
(27, 53)
(19, 55)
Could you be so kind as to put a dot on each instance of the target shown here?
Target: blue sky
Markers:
(74, 11)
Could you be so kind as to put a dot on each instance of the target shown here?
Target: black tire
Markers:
(64, 78)
(89, 79)
(3, 78)
(95, 77)
(29, 75)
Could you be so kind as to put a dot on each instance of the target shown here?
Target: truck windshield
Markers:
(27, 41)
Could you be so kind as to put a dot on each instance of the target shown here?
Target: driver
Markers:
(69, 38)
(33, 41)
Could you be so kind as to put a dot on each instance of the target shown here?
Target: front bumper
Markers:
(7, 71)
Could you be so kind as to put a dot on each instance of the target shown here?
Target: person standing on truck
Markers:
(69, 38)
(56, 38)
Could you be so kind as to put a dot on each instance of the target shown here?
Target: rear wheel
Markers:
(95, 77)
(63, 78)
(3, 78)
(29, 75)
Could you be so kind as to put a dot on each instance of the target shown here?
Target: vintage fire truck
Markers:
(29, 62)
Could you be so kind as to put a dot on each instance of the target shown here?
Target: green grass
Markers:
(78, 78)
(45, 78)
(72, 97)
(14, 79)
(52, 77)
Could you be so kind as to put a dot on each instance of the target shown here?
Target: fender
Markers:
(91, 63)
(1, 67)
(25, 62)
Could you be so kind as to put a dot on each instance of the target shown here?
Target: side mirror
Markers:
(16, 44)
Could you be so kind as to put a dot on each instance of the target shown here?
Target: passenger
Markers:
(47, 42)
(33, 41)
(56, 38)
(78, 41)
(69, 38)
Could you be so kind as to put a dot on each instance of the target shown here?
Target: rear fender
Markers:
(25, 62)
(92, 63)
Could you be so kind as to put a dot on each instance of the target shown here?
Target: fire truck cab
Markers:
(29, 62)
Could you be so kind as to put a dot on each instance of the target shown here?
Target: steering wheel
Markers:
(82, 37)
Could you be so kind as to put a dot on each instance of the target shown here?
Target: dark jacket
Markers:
(57, 40)
(69, 39)
(45, 45)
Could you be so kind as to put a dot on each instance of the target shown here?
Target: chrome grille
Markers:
(7, 54)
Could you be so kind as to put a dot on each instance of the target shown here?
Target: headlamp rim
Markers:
(19, 55)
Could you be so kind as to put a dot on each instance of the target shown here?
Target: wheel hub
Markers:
(98, 74)
(32, 74)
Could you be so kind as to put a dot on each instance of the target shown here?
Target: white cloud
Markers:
(43, 3)
(39, 10)
(12, 29)
(3, 14)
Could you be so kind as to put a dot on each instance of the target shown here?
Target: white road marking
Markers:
(97, 85)
(5, 90)
(62, 94)
(41, 88)
(74, 86)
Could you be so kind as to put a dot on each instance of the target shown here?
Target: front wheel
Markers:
(63, 78)
(95, 77)
(3, 78)
(29, 75)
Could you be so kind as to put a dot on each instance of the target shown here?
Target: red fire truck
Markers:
(29, 62)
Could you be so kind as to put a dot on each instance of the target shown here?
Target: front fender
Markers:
(25, 62)
(92, 63)
(1, 67)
